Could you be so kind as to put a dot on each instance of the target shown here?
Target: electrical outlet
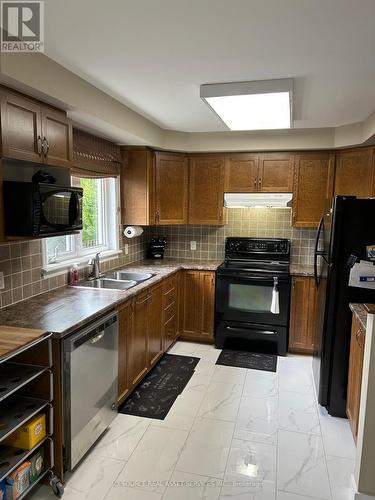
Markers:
(126, 248)
(2, 284)
(193, 245)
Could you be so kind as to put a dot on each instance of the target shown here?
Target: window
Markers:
(99, 234)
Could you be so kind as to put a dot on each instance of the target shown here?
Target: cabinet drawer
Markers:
(170, 284)
(169, 312)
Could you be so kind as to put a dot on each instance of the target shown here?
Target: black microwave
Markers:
(40, 209)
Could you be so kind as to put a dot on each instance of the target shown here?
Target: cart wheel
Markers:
(57, 487)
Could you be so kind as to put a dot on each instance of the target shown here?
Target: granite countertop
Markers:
(301, 269)
(361, 313)
(65, 309)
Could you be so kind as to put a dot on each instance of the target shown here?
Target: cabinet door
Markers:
(155, 340)
(198, 302)
(137, 341)
(207, 286)
(313, 185)
(21, 128)
(241, 173)
(57, 137)
(137, 187)
(206, 189)
(302, 315)
(125, 323)
(190, 298)
(276, 172)
(171, 189)
(355, 375)
(354, 173)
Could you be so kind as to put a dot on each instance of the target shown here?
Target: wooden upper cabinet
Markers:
(267, 173)
(137, 187)
(57, 142)
(314, 175)
(241, 173)
(302, 315)
(276, 173)
(34, 132)
(355, 173)
(206, 189)
(21, 128)
(171, 188)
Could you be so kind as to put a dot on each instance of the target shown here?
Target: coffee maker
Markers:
(156, 248)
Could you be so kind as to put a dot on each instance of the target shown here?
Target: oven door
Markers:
(248, 299)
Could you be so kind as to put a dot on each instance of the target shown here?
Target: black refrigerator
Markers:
(347, 227)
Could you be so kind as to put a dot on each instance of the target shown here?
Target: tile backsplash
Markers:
(255, 222)
(21, 262)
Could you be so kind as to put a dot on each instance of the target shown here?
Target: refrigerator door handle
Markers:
(317, 253)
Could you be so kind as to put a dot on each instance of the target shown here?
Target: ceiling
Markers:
(153, 55)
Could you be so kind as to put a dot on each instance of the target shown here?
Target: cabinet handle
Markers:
(39, 145)
(142, 301)
(255, 182)
(260, 182)
(150, 299)
(157, 215)
(45, 146)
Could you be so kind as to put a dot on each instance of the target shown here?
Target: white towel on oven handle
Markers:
(275, 305)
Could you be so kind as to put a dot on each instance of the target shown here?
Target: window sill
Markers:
(54, 269)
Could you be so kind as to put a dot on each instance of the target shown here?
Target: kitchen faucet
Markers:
(95, 263)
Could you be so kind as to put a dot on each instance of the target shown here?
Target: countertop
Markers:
(361, 313)
(301, 270)
(65, 309)
(12, 339)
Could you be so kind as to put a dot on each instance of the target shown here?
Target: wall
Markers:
(21, 264)
(256, 222)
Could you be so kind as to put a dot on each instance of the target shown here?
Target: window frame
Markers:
(110, 222)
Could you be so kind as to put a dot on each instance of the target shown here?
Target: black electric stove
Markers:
(253, 277)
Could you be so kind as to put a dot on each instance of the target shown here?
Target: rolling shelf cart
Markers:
(26, 389)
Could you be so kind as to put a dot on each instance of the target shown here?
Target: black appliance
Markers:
(345, 229)
(246, 280)
(41, 209)
(156, 248)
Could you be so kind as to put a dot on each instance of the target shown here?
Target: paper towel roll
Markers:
(133, 231)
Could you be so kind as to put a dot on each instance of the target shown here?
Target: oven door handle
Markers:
(266, 279)
(261, 332)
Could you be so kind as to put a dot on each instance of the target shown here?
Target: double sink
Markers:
(117, 280)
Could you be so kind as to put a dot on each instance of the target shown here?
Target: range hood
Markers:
(255, 200)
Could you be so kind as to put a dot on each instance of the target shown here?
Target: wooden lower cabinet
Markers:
(170, 310)
(154, 326)
(197, 305)
(302, 315)
(137, 341)
(125, 326)
(357, 343)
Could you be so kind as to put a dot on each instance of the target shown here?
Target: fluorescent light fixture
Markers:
(260, 105)
(257, 200)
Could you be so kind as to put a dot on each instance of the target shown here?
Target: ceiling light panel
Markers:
(258, 105)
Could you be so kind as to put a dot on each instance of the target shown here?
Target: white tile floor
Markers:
(232, 433)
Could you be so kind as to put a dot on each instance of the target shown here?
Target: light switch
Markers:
(126, 248)
(193, 245)
(2, 284)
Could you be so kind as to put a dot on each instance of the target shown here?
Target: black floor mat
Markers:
(244, 359)
(155, 395)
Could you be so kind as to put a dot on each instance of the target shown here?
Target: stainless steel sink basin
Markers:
(127, 275)
(108, 284)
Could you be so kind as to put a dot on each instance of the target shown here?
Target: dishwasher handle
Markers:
(92, 333)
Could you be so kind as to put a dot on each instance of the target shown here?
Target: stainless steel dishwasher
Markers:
(90, 373)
